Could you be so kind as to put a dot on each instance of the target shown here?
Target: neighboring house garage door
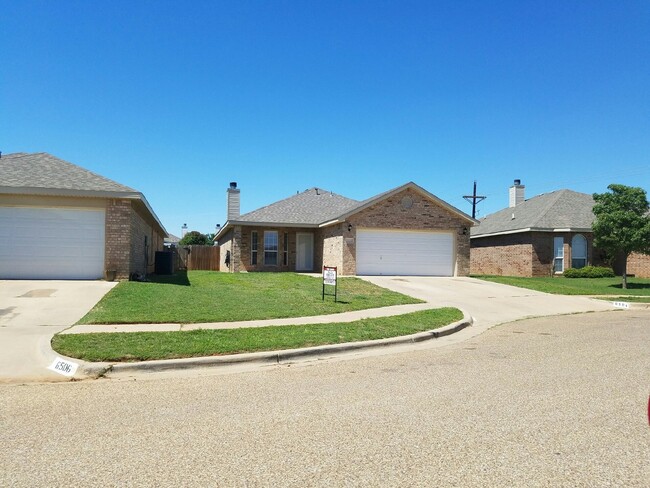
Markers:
(383, 252)
(51, 243)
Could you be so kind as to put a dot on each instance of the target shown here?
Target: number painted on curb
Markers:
(61, 366)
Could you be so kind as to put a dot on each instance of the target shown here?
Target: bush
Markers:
(589, 272)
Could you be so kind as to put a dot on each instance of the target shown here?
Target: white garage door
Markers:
(51, 243)
(383, 252)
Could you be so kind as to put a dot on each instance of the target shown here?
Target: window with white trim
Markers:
(285, 249)
(558, 254)
(578, 251)
(271, 248)
(254, 245)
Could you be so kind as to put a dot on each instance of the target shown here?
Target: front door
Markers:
(304, 252)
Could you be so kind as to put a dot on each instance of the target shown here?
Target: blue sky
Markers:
(177, 99)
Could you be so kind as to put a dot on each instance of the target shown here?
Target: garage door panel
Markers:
(49, 243)
(382, 252)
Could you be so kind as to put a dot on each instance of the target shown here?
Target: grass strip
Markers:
(576, 286)
(141, 346)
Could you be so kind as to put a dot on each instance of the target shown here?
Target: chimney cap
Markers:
(517, 182)
(233, 185)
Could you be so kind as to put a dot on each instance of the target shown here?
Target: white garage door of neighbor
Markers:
(51, 243)
(382, 252)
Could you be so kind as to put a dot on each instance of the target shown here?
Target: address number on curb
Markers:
(61, 366)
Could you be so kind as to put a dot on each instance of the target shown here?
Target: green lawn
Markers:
(208, 296)
(139, 346)
(576, 286)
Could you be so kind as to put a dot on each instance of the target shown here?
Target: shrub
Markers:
(589, 272)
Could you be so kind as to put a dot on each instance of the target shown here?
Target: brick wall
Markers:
(524, 254)
(125, 232)
(118, 242)
(424, 214)
(331, 243)
(639, 265)
(509, 255)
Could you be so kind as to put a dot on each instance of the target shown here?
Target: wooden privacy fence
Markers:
(197, 257)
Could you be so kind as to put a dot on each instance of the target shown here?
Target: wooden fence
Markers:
(197, 257)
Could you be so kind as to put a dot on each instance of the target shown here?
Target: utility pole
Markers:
(474, 199)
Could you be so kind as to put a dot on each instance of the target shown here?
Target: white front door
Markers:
(304, 252)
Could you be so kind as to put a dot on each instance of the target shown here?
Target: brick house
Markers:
(60, 221)
(541, 236)
(404, 231)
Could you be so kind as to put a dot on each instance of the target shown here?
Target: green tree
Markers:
(622, 224)
(194, 238)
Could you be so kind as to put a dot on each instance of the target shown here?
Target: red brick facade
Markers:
(525, 253)
(335, 245)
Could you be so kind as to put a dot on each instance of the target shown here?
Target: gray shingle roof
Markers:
(311, 207)
(42, 170)
(562, 209)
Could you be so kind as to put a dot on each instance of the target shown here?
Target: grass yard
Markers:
(208, 296)
(141, 346)
(577, 286)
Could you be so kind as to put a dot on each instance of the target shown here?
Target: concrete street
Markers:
(557, 401)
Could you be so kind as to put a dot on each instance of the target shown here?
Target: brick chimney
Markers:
(516, 194)
(233, 201)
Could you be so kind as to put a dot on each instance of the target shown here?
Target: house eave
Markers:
(532, 229)
(65, 192)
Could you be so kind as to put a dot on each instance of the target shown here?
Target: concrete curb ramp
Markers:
(287, 356)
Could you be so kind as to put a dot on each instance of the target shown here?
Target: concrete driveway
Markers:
(31, 312)
(488, 303)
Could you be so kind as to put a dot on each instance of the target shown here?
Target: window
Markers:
(271, 248)
(558, 253)
(285, 250)
(578, 251)
(254, 247)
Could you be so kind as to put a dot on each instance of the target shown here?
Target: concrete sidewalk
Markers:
(316, 319)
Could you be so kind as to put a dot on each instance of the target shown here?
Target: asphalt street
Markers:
(556, 401)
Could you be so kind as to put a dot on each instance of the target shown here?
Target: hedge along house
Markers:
(60, 221)
(404, 231)
(542, 236)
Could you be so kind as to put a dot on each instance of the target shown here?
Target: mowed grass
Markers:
(142, 346)
(577, 286)
(208, 296)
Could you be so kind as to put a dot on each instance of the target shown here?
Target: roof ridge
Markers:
(294, 196)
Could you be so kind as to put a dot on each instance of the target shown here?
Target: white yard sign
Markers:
(329, 276)
(64, 367)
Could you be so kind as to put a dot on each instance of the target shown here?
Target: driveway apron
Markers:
(31, 312)
(488, 303)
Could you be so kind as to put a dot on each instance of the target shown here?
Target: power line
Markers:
(474, 199)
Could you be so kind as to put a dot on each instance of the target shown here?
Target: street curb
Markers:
(97, 370)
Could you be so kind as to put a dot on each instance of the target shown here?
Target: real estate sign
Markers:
(329, 278)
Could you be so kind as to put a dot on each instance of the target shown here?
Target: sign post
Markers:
(329, 279)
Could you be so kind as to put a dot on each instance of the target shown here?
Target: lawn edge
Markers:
(101, 369)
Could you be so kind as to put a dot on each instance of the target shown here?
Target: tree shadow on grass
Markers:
(178, 278)
(632, 286)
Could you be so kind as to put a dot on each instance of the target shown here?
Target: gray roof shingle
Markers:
(561, 209)
(42, 170)
(311, 207)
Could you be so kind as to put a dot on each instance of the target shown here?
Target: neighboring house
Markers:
(405, 231)
(541, 236)
(60, 221)
(171, 241)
